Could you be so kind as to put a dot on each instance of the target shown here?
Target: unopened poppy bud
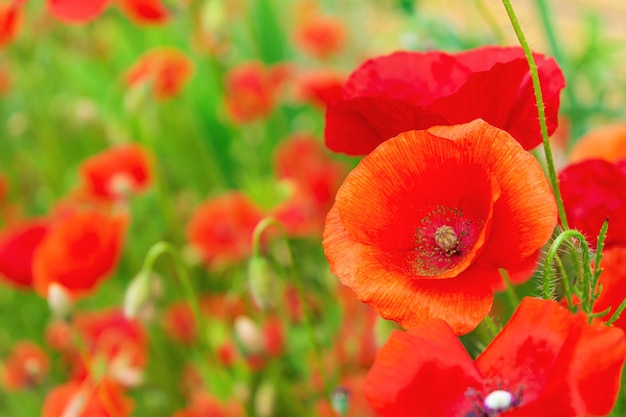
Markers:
(137, 294)
(59, 300)
(248, 335)
(265, 400)
(340, 400)
(262, 282)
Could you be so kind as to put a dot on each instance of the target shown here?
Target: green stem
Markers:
(510, 291)
(534, 74)
(566, 286)
(491, 326)
(617, 312)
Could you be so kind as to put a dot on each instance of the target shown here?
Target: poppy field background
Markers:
(224, 105)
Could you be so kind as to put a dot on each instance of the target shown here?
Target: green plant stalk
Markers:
(617, 313)
(510, 291)
(295, 274)
(493, 329)
(598, 258)
(566, 286)
(534, 74)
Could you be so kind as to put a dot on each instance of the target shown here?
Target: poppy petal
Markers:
(76, 11)
(425, 370)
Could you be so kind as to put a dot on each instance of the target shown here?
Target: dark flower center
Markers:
(443, 238)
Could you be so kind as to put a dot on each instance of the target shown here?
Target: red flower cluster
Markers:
(545, 362)
(83, 11)
(416, 90)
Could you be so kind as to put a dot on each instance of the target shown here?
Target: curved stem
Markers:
(534, 74)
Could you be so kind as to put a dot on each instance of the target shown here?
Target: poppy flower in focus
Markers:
(416, 90)
(116, 172)
(86, 399)
(79, 251)
(315, 177)
(221, 229)
(10, 17)
(25, 367)
(165, 70)
(420, 227)
(17, 248)
(606, 142)
(545, 362)
(320, 36)
(594, 190)
(84, 11)
(250, 92)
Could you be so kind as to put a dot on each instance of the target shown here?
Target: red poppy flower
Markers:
(320, 36)
(594, 190)
(17, 249)
(10, 17)
(166, 70)
(87, 398)
(145, 12)
(83, 11)
(421, 226)
(79, 251)
(204, 404)
(221, 229)
(320, 88)
(77, 11)
(606, 142)
(545, 362)
(25, 367)
(115, 172)
(250, 92)
(416, 90)
(315, 178)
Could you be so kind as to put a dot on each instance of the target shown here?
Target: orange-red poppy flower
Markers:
(420, 227)
(545, 362)
(165, 70)
(606, 142)
(315, 177)
(25, 367)
(10, 17)
(320, 36)
(204, 404)
(79, 251)
(87, 398)
(250, 92)
(17, 248)
(320, 87)
(115, 172)
(594, 190)
(416, 90)
(83, 11)
(221, 229)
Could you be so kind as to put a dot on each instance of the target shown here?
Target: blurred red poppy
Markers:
(79, 251)
(87, 398)
(84, 11)
(594, 190)
(115, 172)
(416, 90)
(10, 20)
(545, 362)
(320, 36)
(204, 405)
(421, 226)
(320, 88)
(221, 229)
(26, 367)
(605, 142)
(165, 70)
(315, 177)
(250, 92)
(18, 244)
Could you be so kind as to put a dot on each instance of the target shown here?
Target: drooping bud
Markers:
(137, 295)
(248, 335)
(262, 282)
(60, 301)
